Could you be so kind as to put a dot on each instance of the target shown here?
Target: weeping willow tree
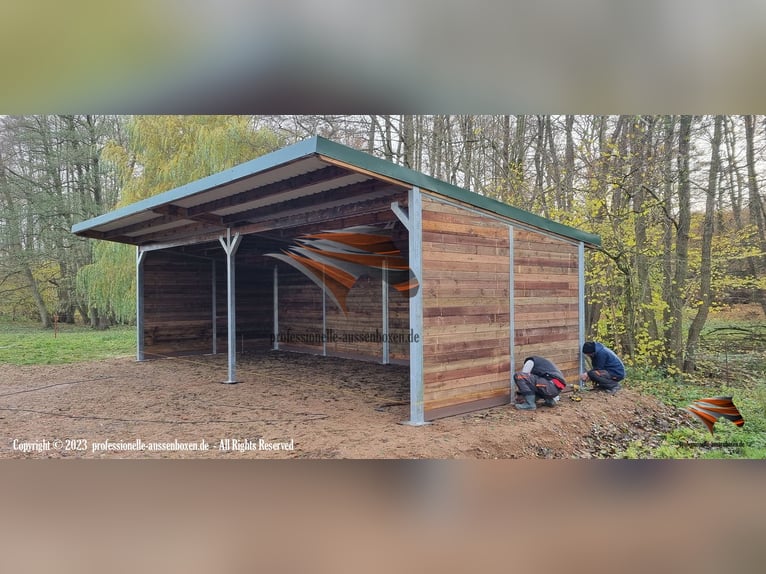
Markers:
(163, 152)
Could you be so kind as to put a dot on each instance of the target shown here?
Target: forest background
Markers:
(676, 199)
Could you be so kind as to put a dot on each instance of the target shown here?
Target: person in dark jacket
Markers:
(539, 378)
(606, 370)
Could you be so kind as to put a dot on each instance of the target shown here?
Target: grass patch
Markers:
(731, 361)
(22, 344)
(695, 441)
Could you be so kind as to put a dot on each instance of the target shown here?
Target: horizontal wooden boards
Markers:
(178, 294)
(178, 302)
(466, 309)
(546, 300)
(358, 332)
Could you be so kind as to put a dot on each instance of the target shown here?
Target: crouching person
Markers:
(607, 369)
(539, 378)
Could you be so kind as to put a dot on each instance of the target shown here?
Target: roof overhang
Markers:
(309, 180)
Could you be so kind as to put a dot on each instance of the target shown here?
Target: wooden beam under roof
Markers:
(349, 192)
(323, 175)
(177, 212)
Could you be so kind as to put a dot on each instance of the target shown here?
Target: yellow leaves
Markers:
(165, 152)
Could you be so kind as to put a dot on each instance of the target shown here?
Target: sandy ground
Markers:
(290, 406)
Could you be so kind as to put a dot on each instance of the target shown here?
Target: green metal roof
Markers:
(293, 157)
(423, 181)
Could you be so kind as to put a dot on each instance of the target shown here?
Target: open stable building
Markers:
(322, 248)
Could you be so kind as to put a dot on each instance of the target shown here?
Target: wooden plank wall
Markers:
(546, 300)
(300, 312)
(255, 313)
(356, 334)
(466, 310)
(177, 304)
(399, 326)
(178, 310)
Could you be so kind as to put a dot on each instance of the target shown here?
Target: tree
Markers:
(756, 210)
(706, 267)
(161, 153)
(52, 178)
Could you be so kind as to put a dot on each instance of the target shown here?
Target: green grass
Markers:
(695, 441)
(23, 344)
(731, 361)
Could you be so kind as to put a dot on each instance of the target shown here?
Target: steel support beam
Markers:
(140, 257)
(414, 224)
(230, 245)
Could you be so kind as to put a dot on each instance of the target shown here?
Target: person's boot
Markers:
(550, 402)
(528, 404)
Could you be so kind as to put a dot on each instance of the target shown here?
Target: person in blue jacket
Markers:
(606, 370)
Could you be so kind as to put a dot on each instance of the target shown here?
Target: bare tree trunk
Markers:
(388, 148)
(506, 152)
(682, 242)
(45, 318)
(569, 163)
(371, 136)
(735, 177)
(466, 127)
(408, 140)
(757, 212)
(555, 168)
(419, 142)
(642, 138)
(435, 149)
(668, 267)
(706, 267)
(539, 196)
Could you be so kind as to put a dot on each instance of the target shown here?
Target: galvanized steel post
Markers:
(417, 410)
(230, 247)
(140, 256)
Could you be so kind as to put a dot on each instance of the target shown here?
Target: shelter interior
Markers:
(186, 286)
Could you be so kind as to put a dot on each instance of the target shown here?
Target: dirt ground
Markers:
(290, 406)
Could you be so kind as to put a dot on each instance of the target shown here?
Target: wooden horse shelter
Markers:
(321, 248)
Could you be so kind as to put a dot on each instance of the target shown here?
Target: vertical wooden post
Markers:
(276, 309)
(384, 288)
(324, 314)
(215, 309)
(512, 311)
